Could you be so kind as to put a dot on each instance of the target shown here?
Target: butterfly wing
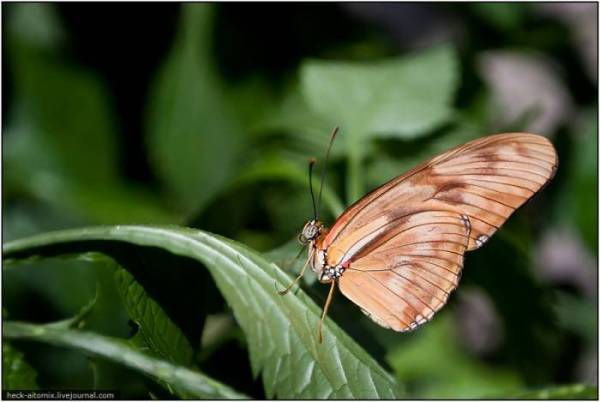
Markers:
(486, 179)
(481, 183)
(409, 275)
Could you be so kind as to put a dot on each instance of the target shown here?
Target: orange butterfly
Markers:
(398, 252)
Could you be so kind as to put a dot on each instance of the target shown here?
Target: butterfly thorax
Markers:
(314, 233)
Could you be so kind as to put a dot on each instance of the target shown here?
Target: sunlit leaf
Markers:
(403, 97)
(281, 331)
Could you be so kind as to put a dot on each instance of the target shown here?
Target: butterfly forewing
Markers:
(403, 243)
(486, 179)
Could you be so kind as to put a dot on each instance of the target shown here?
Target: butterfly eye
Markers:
(310, 231)
(302, 239)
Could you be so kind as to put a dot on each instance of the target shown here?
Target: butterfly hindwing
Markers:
(406, 278)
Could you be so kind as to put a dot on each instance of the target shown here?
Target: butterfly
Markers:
(398, 252)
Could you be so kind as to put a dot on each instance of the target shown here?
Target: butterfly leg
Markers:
(290, 262)
(283, 292)
(327, 303)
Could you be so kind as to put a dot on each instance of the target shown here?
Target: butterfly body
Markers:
(313, 234)
(398, 252)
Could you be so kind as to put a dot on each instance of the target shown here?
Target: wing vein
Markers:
(358, 253)
(485, 174)
(495, 168)
(415, 310)
(418, 285)
(501, 192)
(470, 160)
(427, 280)
(453, 202)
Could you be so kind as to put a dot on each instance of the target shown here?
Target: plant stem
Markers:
(354, 183)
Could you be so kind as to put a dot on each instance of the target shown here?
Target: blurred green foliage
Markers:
(205, 115)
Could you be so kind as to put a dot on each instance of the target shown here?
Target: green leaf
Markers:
(291, 258)
(400, 98)
(272, 167)
(193, 133)
(68, 107)
(16, 372)
(578, 391)
(393, 159)
(156, 328)
(61, 133)
(281, 331)
(187, 383)
(403, 97)
(308, 130)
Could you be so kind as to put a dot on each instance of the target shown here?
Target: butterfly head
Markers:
(311, 231)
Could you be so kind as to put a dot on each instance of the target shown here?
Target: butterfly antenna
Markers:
(324, 171)
(311, 164)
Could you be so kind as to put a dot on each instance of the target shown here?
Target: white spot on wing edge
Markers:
(481, 239)
(420, 319)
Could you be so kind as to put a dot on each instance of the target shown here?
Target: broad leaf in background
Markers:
(16, 372)
(397, 157)
(60, 141)
(404, 97)
(307, 129)
(68, 106)
(281, 331)
(186, 383)
(399, 98)
(194, 136)
(271, 167)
